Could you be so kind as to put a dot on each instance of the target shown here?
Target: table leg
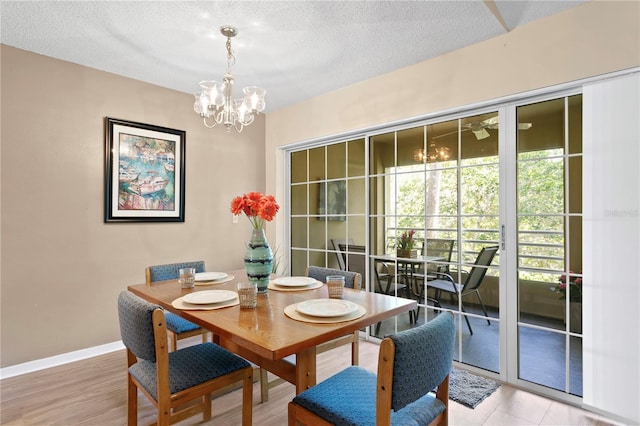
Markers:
(305, 369)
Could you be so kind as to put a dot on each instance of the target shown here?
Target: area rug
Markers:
(468, 389)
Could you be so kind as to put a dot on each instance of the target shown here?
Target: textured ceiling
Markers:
(294, 49)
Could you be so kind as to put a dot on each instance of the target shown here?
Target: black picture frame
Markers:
(144, 172)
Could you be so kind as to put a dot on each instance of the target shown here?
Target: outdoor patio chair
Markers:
(446, 283)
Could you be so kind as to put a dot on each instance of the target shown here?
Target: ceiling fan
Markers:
(479, 128)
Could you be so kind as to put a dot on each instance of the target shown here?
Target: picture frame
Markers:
(332, 201)
(144, 172)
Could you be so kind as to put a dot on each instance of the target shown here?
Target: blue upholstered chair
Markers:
(351, 280)
(179, 327)
(410, 365)
(171, 380)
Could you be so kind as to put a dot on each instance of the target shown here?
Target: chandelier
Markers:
(215, 102)
(434, 153)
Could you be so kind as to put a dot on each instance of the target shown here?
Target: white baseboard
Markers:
(41, 364)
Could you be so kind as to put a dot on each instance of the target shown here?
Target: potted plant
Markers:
(404, 246)
(571, 289)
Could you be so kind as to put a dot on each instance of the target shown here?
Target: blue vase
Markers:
(258, 260)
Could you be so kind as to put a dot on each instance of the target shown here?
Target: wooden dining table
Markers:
(266, 335)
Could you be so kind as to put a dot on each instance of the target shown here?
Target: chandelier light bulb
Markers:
(215, 103)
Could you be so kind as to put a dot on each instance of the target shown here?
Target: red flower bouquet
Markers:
(257, 207)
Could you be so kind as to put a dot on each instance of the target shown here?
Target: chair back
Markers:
(340, 255)
(480, 267)
(422, 360)
(351, 279)
(438, 247)
(171, 271)
(136, 325)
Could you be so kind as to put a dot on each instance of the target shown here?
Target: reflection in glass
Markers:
(299, 199)
(356, 165)
(382, 153)
(299, 167)
(549, 195)
(336, 161)
(317, 164)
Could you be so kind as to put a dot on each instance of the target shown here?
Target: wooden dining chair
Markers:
(178, 327)
(172, 381)
(352, 280)
(411, 364)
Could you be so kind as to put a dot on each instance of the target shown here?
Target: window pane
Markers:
(317, 258)
(299, 199)
(314, 199)
(316, 164)
(442, 144)
(378, 197)
(479, 189)
(299, 166)
(541, 129)
(336, 161)
(356, 166)
(357, 229)
(442, 192)
(317, 233)
(479, 139)
(410, 146)
(298, 262)
(356, 200)
(299, 232)
(540, 186)
(575, 124)
(382, 153)
(575, 184)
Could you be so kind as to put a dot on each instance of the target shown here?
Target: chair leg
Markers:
(132, 402)
(466, 318)
(174, 342)
(482, 305)
(355, 348)
(247, 398)
(206, 407)
(264, 385)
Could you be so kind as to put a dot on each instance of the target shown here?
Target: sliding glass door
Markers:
(549, 243)
(491, 202)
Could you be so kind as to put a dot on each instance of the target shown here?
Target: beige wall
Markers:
(589, 40)
(62, 266)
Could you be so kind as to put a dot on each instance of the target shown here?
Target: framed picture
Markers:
(333, 200)
(144, 172)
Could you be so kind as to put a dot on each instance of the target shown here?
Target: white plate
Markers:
(210, 276)
(209, 296)
(326, 308)
(294, 281)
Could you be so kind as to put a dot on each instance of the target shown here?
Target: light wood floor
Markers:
(93, 392)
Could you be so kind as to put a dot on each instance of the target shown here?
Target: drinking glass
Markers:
(335, 285)
(187, 277)
(248, 295)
